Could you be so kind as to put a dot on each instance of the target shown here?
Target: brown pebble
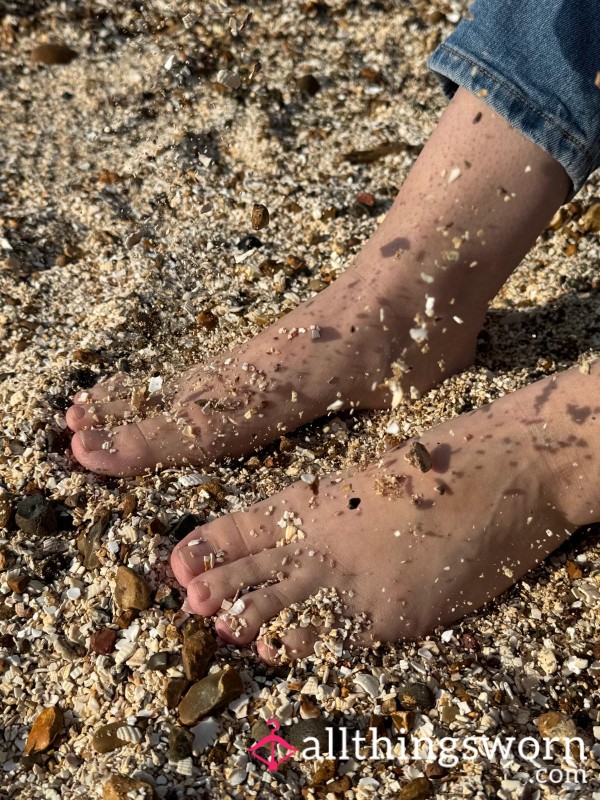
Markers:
(554, 724)
(126, 617)
(198, 649)
(103, 641)
(419, 457)
(174, 691)
(419, 789)
(18, 583)
(44, 730)
(590, 222)
(260, 216)
(52, 53)
(118, 787)
(435, 770)
(128, 505)
(308, 84)
(323, 772)
(6, 510)
(211, 693)
(596, 651)
(403, 721)
(131, 590)
(366, 198)
(206, 319)
(573, 570)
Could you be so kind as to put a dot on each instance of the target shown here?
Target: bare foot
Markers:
(410, 549)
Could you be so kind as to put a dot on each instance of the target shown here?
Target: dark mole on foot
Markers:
(353, 503)
(477, 117)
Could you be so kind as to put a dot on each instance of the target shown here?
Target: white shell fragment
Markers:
(155, 384)
(129, 733)
(228, 78)
(368, 683)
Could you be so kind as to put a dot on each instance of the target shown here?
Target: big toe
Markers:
(89, 415)
(130, 449)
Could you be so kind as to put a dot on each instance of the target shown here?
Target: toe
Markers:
(206, 593)
(116, 387)
(241, 623)
(232, 536)
(131, 449)
(89, 415)
(297, 643)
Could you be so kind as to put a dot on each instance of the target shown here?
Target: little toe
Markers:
(241, 623)
(89, 415)
(131, 449)
(297, 643)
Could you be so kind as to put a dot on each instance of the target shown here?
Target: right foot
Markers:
(283, 378)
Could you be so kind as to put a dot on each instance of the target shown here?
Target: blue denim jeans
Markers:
(534, 62)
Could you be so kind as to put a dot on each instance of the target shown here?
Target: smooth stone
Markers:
(416, 697)
(308, 84)
(159, 661)
(174, 691)
(419, 789)
(180, 743)
(301, 730)
(131, 590)
(52, 53)
(6, 509)
(44, 730)
(103, 641)
(210, 694)
(197, 652)
(105, 738)
(35, 516)
(553, 724)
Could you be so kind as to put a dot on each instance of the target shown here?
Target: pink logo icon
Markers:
(272, 741)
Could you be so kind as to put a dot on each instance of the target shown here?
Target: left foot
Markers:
(411, 550)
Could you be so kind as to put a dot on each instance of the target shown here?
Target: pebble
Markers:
(555, 724)
(366, 199)
(103, 641)
(110, 737)
(590, 222)
(418, 456)
(89, 542)
(416, 697)
(198, 649)
(131, 590)
(179, 744)
(52, 53)
(260, 216)
(174, 691)
(308, 84)
(36, 516)
(211, 693)
(118, 787)
(159, 661)
(249, 243)
(44, 730)
(6, 510)
(419, 789)
(18, 583)
(209, 321)
(324, 772)
(403, 721)
(304, 728)
(183, 526)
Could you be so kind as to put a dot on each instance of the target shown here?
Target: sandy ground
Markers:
(127, 182)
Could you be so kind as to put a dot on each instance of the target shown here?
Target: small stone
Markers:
(323, 772)
(198, 649)
(44, 730)
(416, 697)
(35, 516)
(435, 770)
(573, 570)
(183, 526)
(304, 728)
(590, 222)
(7, 559)
(403, 721)
(260, 216)
(174, 691)
(468, 642)
(167, 598)
(6, 510)
(126, 617)
(156, 527)
(419, 789)
(211, 693)
(18, 583)
(106, 738)
(596, 651)
(180, 743)
(366, 199)
(553, 724)
(89, 542)
(308, 84)
(418, 456)
(103, 641)
(131, 590)
(249, 243)
(52, 53)
(159, 661)
(118, 787)
(128, 505)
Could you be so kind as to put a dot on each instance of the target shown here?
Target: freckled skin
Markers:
(455, 551)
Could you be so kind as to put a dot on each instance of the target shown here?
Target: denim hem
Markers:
(455, 67)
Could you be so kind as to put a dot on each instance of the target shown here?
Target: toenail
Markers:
(78, 412)
(201, 591)
(92, 440)
(191, 555)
